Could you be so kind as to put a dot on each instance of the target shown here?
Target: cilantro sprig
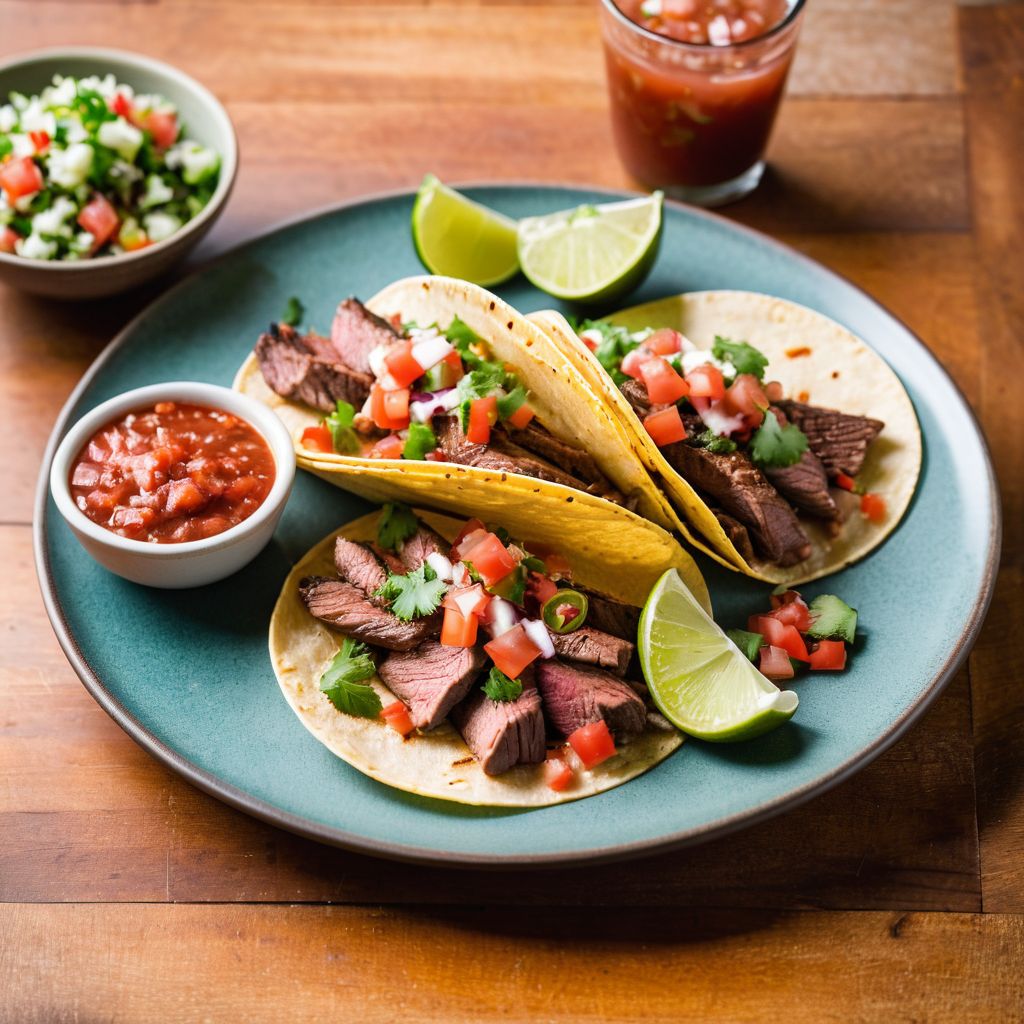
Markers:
(777, 445)
(714, 442)
(397, 524)
(743, 356)
(343, 435)
(293, 313)
(616, 343)
(342, 681)
(500, 688)
(414, 595)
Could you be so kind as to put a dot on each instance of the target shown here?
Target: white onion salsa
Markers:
(91, 168)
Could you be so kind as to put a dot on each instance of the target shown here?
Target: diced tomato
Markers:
(779, 634)
(513, 651)
(557, 774)
(318, 439)
(483, 414)
(775, 664)
(120, 104)
(382, 406)
(401, 364)
(490, 558)
(846, 482)
(20, 177)
(794, 613)
(468, 600)
(41, 140)
(471, 527)
(747, 398)
(593, 744)
(664, 342)
(830, 656)
(389, 447)
(458, 630)
(8, 238)
(163, 126)
(663, 383)
(666, 426)
(183, 496)
(706, 381)
(99, 218)
(872, 506)
(632, 362)
(396, 715)
(589, 342)
(521, 417)
(540, 588)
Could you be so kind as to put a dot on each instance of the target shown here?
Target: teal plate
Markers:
(188, 676)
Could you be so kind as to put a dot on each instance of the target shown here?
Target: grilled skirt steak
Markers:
(838, 439)
(344, 607)
(636, 394)
(579, 463)
(358, 565)
(305, 369)
(575, 696)
(431, 679)
(804, 484)
(423, 542)
(737, 533)
(356, 332)
(592, 647)
(502, 735)
(611, 616)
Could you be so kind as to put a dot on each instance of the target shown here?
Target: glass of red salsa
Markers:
(694, 87)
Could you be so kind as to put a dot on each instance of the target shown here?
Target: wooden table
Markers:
(128, 895)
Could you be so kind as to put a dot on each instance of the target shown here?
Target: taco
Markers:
(443, 658)
(788, 447)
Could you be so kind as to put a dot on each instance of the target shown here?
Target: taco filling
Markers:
(394, 390)
(762, 462)
(487, 636)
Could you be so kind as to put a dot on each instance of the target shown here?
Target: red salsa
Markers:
(171, 473)
(695, 118)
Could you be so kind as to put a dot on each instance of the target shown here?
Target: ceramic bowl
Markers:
(206, 121)
(191, 563)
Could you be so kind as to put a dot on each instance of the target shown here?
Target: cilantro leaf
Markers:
(616, 343)
(343, 436)
(482, 382)
(714, 442)
(500, 688)
(342, 681)
(294, 311)
(463, 337)
(397, 523)
(777, 445)
(415, 595)
(509, 404)
(744, 357)
(421, 440)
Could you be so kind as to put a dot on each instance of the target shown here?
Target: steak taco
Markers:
(444, 658)
(788, 447)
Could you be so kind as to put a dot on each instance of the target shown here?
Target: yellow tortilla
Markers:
(838, 371)
(437, 764)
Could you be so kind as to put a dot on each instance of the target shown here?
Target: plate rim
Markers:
(307, 828)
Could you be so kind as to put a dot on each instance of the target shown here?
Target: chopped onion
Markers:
(424, 406)
(376, 359)
(715, 418)
(502, 616)
(538, 633)
(430, 351)
(460, 574)
(441, 565)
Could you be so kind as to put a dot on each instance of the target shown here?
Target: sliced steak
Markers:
(358, 565)
(575, 696)
(423, 542)
(737, 533)
(579, 463)
(636, 394)
(305, 369)
(593, 647)
(804, 484)
(611, 616)
(345, 607)
(356, 332)
(840, 440)
(431, 679)
(391, 561)
(502, 734)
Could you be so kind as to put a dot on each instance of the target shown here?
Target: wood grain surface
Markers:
(127, 895)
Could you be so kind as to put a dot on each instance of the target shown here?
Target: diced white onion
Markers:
(716, 419)
(376, 360)
(424, 409)
(694, 357)
(441, 565)
(460, 574)
(538, 633)
(429, 352)
(503, 616)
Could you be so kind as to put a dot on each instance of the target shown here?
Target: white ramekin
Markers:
(191, 563)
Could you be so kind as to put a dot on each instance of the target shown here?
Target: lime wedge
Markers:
(697, 675)
(459, 238)
(592, 253)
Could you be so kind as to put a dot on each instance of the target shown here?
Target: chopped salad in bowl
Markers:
(88, 168)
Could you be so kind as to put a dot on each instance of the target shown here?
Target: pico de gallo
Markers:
(91, 168)
(795, 634)
(430, 372)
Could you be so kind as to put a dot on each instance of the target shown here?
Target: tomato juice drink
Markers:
(694, 87)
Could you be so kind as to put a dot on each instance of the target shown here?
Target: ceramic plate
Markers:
(188, 676)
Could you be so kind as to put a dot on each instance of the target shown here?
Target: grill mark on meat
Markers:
(344, 607)
(358, 565)
(575, 696)
(805, 483)
(431, 679)
(537, 439)
(592, 647)
(502, 734)
(304, 368)
(423, 542)
(840, 440)
(611, 616)
(356, 332)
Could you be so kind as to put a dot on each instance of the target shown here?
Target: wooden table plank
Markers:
(992, 40)
(192, 964)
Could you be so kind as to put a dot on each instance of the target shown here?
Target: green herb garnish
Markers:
(743, 356)
(343, 435)
(616, 343)
(777, 445)
(294, 311)
(342, 681)
(397, 523)
(500, 688)
(714, 442)
(482, 382)
(415, 595)
(421, 440)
